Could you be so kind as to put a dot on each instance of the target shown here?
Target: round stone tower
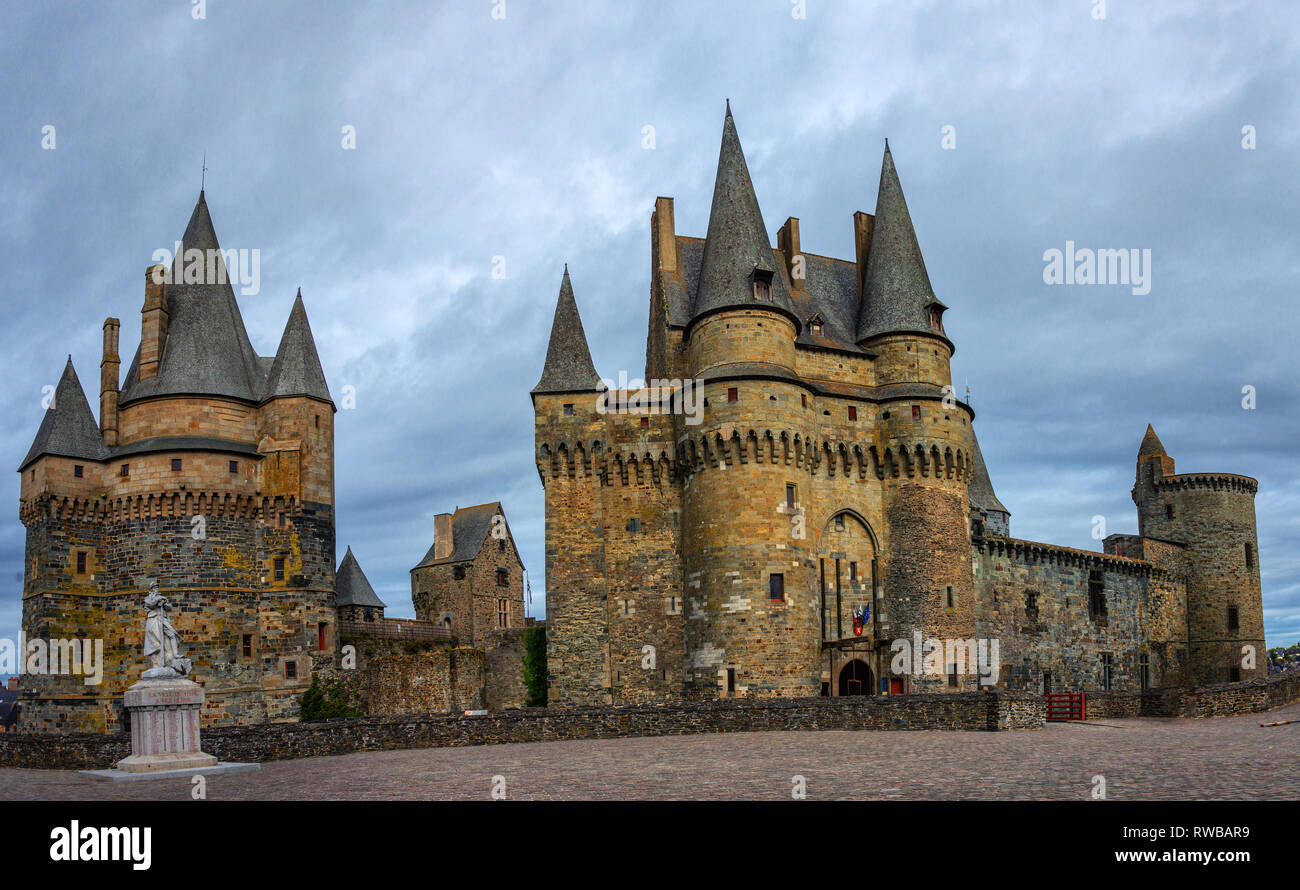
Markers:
(751, 608)
(1213, 516)
(925, 447)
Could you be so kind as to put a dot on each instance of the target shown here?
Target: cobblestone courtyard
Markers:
(1230, 758)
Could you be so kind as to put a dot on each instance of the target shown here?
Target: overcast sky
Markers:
(524, 137)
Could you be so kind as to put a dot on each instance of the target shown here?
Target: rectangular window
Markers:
(176, 464)
(78, 472)
(733, 395)
(458, 573)
(839, 523)
(568, 410)
(916, 412)
(762, 287)
(731, 679)
(291, 670)
(1250, 555)
(1096, 593)
(853, 571)
(1031, 605)
(776, 587)
(248, 645)
(791, 494)
(234, 466)
(1234, 622)
(1234, 674)
(1107, 670)
(279, 568)
(952, 675)
(803, 400)
(503, 578)
(853, 412)
(645, 423)
(1144, 670)
(321, 634)
(1169, 512)
(81, 562)
(503, 613)
(950, 597)
(1047, 682)
(126, 470)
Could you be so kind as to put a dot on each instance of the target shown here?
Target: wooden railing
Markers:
(1065, 706)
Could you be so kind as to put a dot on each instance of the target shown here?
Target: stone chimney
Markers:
(863, 225)
(787, 241)
(153, 322)
(665, 234)
(108, 391)
(443, 545)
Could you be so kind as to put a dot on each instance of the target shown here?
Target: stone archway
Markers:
(855, 678)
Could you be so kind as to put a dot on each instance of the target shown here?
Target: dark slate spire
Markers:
(207, 351)
(68, 428)
(296, 370)
(351, 587)
(1151, 445)
(568, 360)
(896, 292)
(981, 486)
(737, 244)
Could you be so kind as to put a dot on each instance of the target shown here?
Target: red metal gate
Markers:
(1064, 706)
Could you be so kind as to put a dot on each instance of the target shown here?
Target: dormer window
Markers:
(936, 317)
(817, 328)
(762, 286)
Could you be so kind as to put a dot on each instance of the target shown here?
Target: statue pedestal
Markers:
(164, 727)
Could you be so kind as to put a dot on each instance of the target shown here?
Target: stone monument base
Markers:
(164, 726)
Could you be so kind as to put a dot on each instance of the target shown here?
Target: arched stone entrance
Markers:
(855, 678)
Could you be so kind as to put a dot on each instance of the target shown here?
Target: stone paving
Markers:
(1231, 758)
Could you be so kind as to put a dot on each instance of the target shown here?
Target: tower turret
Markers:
(1212, 515)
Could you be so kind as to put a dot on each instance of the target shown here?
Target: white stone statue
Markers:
(161, 641)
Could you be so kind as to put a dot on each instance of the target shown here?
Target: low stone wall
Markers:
(282, 741)
(1220, 700)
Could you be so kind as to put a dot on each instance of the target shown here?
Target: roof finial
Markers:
(566, 268)
(300, 292)
(203, 179)
(886, 143)
(728, 108)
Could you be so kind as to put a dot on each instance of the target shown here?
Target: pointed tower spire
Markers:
(352, 587)
(207, 350)
(896, 291)
(737, 249)
(296, 370)
(1151, 445)
(981, 486)
(68, 428)
(568, 365)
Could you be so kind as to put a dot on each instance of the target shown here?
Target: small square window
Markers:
(645, 423)
(568, 410)
(733, 394)
(458, 573)
(78, 471)
(853, 412)
(234, 466)
(776, 587)
(176, 464)
(126, 470)
(816, 329)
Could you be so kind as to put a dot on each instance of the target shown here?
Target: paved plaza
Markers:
(1231, 758)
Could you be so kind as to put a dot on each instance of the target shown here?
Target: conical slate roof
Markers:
(68, 428)
(207, 351)
(568, 365)
(1151, 446)
(981, 486)
(896, 291)
(351, 587)
(737, 243)
(296, 370)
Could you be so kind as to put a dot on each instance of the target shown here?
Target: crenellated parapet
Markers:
(1230, 482)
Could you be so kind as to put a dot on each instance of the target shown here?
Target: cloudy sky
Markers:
(524, 137)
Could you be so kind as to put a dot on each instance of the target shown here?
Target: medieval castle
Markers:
(797, 496)
(795, 490)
